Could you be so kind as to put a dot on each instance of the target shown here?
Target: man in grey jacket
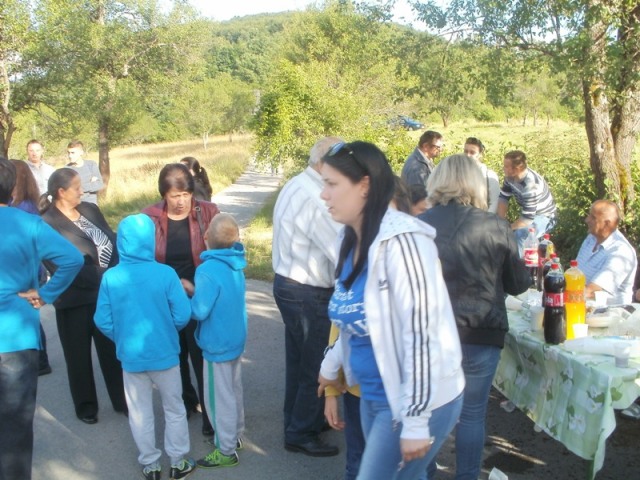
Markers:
(420, 163)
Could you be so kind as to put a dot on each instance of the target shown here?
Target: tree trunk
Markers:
(608, 172)
(625, 110)
(103, 153)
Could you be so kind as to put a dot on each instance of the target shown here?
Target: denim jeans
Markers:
(354, 438)
(479, 363)
(382, 457)
(18, 385)
(542, 225)
(304, 311)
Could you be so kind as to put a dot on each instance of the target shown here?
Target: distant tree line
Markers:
(119, 72)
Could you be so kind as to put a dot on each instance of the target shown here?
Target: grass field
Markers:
(134, 170)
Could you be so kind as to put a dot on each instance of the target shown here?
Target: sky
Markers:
(227, 9)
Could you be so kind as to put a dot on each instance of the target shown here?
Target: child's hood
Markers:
(232, 256)
(136, 239)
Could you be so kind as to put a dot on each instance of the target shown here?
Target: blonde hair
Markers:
(457, 178)
(223, 232)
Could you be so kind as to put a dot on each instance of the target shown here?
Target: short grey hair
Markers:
(320, 149)
(458, 178)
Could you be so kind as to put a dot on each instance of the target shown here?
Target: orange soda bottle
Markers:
(574, 300)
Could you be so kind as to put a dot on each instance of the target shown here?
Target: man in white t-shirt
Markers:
(40, 170)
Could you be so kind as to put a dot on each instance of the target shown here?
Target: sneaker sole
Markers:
(207, 467)
(296, 449)
(185, 476)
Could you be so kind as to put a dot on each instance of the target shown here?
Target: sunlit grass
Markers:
(134, 170)
(257, 240)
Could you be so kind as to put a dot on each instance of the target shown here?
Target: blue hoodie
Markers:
(142, 304)
(219, 304)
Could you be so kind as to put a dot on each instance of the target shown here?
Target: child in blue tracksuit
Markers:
(141, 307)
(219, 306)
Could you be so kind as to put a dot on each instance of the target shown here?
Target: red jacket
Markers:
(158, 213)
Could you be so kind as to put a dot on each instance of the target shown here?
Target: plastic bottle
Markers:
(555, 324)
(545, 250)
(574, 301)
(530, 254)
(556, 259)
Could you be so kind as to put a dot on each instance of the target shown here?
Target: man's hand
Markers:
(33, 297)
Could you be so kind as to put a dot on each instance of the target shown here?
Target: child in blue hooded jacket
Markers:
(141, 307)
(218, 305)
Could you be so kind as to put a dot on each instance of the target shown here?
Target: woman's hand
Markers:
(324, 383)
(33, 297)
(189, 288)
(331, 412)
(413, 449)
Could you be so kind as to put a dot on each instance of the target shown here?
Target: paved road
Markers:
(67, 449)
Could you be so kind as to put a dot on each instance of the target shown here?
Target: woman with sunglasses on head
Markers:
(398, 337)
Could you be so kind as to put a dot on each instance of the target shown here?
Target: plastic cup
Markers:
(496, 474)
(601, 298)
(537, 317)
(534, 297)
(622, 352)
(580, 330)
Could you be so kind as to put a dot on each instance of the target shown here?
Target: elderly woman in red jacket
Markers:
(180, 222)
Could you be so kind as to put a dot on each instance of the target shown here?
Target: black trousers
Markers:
(189, 349)
(18, 386)
(76, 330)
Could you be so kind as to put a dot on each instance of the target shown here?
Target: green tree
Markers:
(97, 61)
(14, 35)
(598, 41)
(336, 77)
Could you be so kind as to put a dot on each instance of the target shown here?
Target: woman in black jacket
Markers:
(86, 228)
(480, 263)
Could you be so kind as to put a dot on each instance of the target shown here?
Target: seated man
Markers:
(531, 192)
(606, 257)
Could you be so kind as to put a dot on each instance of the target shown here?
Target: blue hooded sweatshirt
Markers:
(219, 304)
(142, 304)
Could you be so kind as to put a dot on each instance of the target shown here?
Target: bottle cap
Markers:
(546, 236)
(574, 263)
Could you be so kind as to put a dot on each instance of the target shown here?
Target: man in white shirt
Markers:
(40, 170)
(474, 148)
(304, 257)
(606, 257)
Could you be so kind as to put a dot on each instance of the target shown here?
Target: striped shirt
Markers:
(304, 234)
(532, 194)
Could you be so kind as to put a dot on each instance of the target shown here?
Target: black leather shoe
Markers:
(314, 448)
(89, 419)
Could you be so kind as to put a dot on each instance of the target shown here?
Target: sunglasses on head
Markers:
(340, 146)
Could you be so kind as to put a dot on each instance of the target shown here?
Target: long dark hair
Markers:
(60, 178)
(357, 160)
(199, 174)
(26, 188)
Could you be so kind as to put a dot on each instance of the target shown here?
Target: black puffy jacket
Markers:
(480, 263)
